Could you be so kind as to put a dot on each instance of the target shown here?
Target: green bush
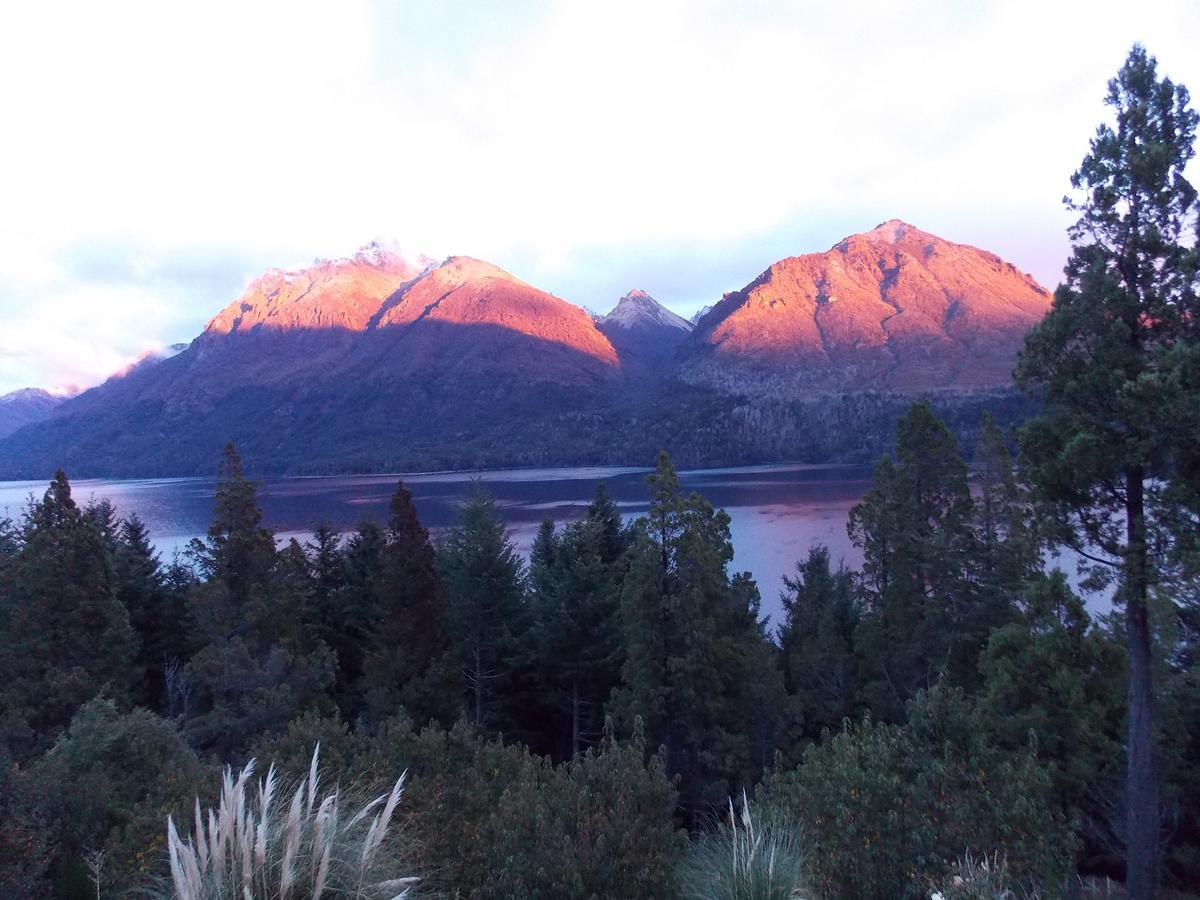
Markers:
(598, 827)
(484, 819)
(890, 808)
(107, 784)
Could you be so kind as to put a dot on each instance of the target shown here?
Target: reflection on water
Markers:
(776, 512)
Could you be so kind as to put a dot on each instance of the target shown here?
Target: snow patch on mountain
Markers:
(637, 309)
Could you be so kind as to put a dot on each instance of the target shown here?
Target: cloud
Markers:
(162, 155)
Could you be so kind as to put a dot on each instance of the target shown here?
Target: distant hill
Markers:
(380, 363)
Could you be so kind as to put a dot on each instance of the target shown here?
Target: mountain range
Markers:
(381, 363)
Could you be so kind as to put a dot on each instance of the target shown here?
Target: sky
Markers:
(157, 156)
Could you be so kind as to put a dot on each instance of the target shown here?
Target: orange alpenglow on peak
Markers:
(380, 315)
(490, 304)
(339, 293)
(894, 308)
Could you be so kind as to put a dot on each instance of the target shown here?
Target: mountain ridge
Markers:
(379, 361)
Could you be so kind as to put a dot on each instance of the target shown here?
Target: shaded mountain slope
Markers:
(646, 335)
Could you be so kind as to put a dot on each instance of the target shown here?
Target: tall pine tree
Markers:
(156, 612)
(261, 660)
(1115, 457)
(816, 643)
(409, 662)
(576, 583)
(693, 642)
(922, 615)
(486, 616)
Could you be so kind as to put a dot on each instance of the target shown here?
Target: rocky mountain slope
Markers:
(647, 336)
(379, 363)
(348, 362)
(24, 407)
(894, 309)
(376, 318)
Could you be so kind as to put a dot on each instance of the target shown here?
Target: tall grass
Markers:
(988, 878)
(981, 878)
(742, 859)
(258, 845)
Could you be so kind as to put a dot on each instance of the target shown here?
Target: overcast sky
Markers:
(155, 157)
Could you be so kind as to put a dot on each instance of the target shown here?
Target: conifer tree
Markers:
(238, 551)
(816, 642)
(10, 541)
(604, 515)
(1117, 361)
(1007, 556)
(157, 614)
(348, 608)
(692, 639)
(261, 660)
(1054, 677)
(923, 614)
(575, 595)
(408, 662)
(486, 615)
(329, 577)
(65, 636)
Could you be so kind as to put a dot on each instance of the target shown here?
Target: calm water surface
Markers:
(776, 512)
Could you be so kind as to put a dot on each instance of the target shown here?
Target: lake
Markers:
(777, 512)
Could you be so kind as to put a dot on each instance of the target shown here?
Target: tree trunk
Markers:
(479, 675)
(1141, 782)
(575, 718)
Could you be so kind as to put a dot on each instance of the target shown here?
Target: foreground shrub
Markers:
(890, 808)
(24, 835)
(744, 860)
(486, 820)
(106, 785)
(264, 847)
(599, 827)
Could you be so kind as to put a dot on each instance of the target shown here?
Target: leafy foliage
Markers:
(105, 785)
(888, 805)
